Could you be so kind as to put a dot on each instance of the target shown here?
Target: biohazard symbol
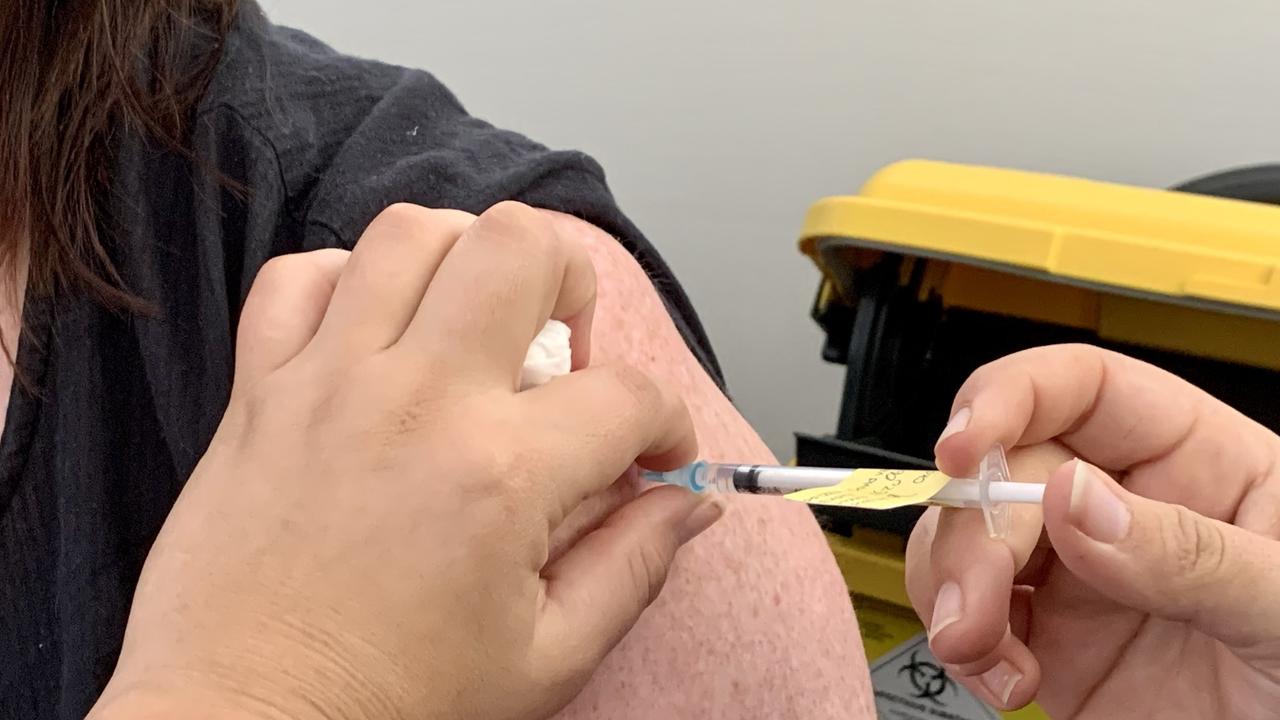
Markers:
(928, 680)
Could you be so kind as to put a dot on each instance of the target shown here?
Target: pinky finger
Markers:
(286, 304)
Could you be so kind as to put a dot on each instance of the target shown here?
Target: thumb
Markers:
(1164, 559)
(597, 590)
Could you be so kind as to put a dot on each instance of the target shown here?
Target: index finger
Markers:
(601, 420)
(951, 549)
(1112, 409)
(506, 275)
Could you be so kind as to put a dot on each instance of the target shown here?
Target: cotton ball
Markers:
(549, 356)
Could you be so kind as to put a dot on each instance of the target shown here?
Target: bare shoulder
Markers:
(755, 621)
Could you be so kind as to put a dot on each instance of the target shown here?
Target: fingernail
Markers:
(947, 609)
(1095, 510)
(957, 423)
(1001, 680)
(706, 515)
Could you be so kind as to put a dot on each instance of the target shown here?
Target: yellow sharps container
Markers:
(934, 269)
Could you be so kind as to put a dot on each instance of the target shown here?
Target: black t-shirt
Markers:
(122, 406)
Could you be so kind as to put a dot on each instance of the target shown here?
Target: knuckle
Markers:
(980, 375)
(978, 382)
(305, 268)
(509, 211)
(1195, 546)
(401, 216)
(276, 275)
(286, 291)
(398, 224)
(516, 222)
(407, 223)
(277, 269)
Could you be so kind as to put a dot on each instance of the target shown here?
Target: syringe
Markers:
(991, 490)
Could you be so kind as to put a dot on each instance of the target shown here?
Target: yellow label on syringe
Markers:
(876, 489)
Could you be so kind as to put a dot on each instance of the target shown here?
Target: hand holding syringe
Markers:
(991, 490)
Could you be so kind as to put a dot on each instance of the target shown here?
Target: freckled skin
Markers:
(755, 620)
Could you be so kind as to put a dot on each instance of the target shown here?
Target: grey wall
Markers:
(719, 122)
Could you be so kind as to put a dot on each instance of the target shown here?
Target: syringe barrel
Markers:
(749, 479)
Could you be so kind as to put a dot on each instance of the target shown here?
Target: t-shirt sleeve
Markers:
(363, 135)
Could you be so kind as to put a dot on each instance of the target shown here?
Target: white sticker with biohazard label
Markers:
(910, 684)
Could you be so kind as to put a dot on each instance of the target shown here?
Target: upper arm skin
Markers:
(755, 620)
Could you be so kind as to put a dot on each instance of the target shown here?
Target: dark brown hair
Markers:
(73, 75)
